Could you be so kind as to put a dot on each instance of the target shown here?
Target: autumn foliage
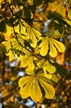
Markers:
(35, 39)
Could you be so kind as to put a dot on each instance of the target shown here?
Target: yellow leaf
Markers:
(36, 95)
(49, 90)
(69, 14)
(58, 6)
(7, 45)
(16, 28)
(30, 66)
(54, 78)
(40, 63)
(20, 29)
(36, 33)
(18, 45)
(11, 55)
(24, 92)
(53, 51)
(52, 45)
(33, 39)
(49, 67)
(9, 31)
(23, 30)
(59, 45)
(49, 76)
(28, 84)
(22, 81)
(32, 34)
(24, 61)
(67, 21)
(44, 47)
(68, 11)
(30, 87)
(27, 61)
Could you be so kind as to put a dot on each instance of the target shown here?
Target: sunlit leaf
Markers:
(44, 47)
(34, 90)
(7, 45)
(36, 95)
(49, 90)
(18, 44)
(9, 31)
(59, 45)
(49, 67)
(27, 61)
(25, 90)
(30, 34)
(20, 29)
(49, 76)
(11, 55)
(33, 35)
(67, 21)
(53, 45)
(53, 51)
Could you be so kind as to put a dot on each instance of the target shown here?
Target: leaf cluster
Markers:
(32, 39)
